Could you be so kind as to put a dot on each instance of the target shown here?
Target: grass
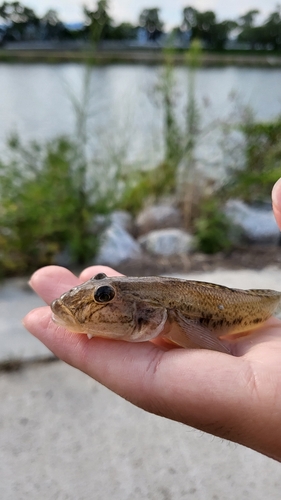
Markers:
(140, 55)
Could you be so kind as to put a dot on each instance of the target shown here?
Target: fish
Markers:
(183, 312)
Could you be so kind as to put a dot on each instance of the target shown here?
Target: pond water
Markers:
(124, 109)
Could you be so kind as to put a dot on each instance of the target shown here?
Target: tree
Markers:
(200, 23)
(150, 21)
(51, 26)
(204, 26)
(249, 34)
(220, 33)
(272, 29)
(124, 31)
(22, 23)
(16, 13)
(189, 18)
(247, 21)
(205, 23)
(268, 35)
(98, 22)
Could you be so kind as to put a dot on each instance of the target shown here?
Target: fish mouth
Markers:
(58, 320)
(62, 316)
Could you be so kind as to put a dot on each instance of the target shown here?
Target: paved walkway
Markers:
(63, 436)
(16, 299)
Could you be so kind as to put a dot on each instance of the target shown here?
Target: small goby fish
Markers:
(187, 313)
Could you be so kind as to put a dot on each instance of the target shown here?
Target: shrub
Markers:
(45, 206)
(262, 162)
(212, 228)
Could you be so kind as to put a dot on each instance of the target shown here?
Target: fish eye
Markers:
(104, 294)
(99, 276)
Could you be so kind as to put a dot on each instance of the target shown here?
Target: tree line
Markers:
(20, 23)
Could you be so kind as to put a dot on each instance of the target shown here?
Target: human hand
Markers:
(237, 398)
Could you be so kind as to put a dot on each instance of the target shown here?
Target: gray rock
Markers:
(123, 219)
(158, 217)
(257, 224)
(101, 221)
(167, 242)
(117, 245)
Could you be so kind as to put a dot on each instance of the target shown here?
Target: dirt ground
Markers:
(243, 257)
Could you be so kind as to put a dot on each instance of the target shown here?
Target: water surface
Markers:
(123, 106)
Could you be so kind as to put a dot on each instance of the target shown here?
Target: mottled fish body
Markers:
(187, 313)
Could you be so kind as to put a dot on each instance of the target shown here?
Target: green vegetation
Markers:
(50, 195)
(147, 185)
(44, 206)
(21, 23)
(266, 35)
(150, 20)
(167, 89)
(205, 27)
(212, 228)
(262, 166)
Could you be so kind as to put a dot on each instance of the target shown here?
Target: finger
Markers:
(276, 202)
(89, 272)
(51, 281)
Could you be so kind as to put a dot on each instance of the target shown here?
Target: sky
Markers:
(170, 10)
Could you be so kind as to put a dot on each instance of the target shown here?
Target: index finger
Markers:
(91, 271)
(52, 281)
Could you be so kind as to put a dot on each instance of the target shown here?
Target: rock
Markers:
(158, 217)
(120, 217)
(257, 224)
(123, 219)
(117, 245)
(167, 242)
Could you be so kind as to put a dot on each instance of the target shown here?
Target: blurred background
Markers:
(120, 120)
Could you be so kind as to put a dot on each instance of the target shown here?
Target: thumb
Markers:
(276, 201)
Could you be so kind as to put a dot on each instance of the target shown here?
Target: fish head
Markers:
(108, 307)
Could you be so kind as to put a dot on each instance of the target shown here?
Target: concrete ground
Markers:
(65, 437)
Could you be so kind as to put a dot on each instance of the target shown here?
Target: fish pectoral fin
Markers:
(200, 334)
